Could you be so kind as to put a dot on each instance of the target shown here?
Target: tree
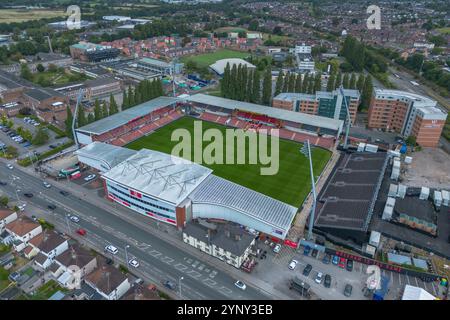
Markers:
(249, 86)
(267, 87)
(310, 89)
(360, 83)
(317, 82)
(298, 84)
(125, 101)
(256, 90)
(105, 111)
(90, 118)
(40, 67)
(4, 200)
(27, 135)
(291, 83)
(367, 93)
(41, 137)
(345, 81)
(233, 84)
(330, 83)
(338, 82)
(305, 83)
(81, 117)
(279, 84)
(131, 100)
(25, 72)
(352, 83)
(12, 151)
(113, 108)
(225, 81)
(97, 110)
(286, 82)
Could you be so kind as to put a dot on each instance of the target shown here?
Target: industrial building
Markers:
(407, 113)
(159, 66)
(322, 103)
(175, 191)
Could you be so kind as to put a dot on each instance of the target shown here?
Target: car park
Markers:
(326, 259)
(81, 232)
(293, 264)
(240, 285)
(90, 177)
(349, 265)
(277, 248)
(306, 251)
(348, 290)
(307, 270)
(111, 249)
(134, 263)
(342, 263)
(327, 281)
(319, 278)
(335, 260)
(75, 219)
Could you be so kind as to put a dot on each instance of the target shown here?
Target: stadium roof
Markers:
(159, 175)
(105, 153)
(121, 118)
(297, 117)
(221, 192)
(220, 65)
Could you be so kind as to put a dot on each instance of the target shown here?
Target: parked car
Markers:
(335, 260)
(110, 248)
(46, 184)
(169, 284)
(348, 290)
(81, 232)
(326, 259)
(327, 281)
(306, 251)
(277, 248)
(28, 194)
(342, 263)
(134, 263)
(51, 206)
(307, 270)
(90, 177)
(22, 206)
(293, 264)
(349, 265)
(319, 278)
(64, 193)
(75, 219)
(314, 253)
(33, 217)
(240, 285)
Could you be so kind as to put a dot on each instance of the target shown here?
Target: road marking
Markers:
(213, 274)
(400, 279)
(155, 253)
(209, 282)
(167, 260)
(201, 267)
(194, 274)
(195, 263)
(180, 267)
(225, 290)
(417, 283)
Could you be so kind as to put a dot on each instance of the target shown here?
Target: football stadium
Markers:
(132, 152)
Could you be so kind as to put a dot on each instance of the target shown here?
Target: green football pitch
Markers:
(291, 184)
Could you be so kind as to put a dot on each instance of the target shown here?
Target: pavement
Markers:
(162, 256)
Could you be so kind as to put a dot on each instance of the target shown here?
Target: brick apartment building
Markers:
(91, 52)
(325, 104)
(407, 113)
(48, 104)
(92, 89)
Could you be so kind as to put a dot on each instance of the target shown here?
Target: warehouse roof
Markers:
(121, 118)
(159, 175)
(221, 192)
(297, 117)
(156, 62)
(220, 65)
(107, 154)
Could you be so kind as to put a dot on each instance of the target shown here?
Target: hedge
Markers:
(60, 133)
(26, 161)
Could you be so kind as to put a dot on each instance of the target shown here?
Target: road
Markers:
(159, 260)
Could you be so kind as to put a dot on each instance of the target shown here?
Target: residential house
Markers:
(109, 282)
(72, 266)
(6, 216)
(48, 245)
(21, 231)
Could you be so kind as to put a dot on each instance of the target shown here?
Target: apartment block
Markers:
(407, 113)
(322, 103)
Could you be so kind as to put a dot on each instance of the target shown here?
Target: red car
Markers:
(342, 263)
(81, 232)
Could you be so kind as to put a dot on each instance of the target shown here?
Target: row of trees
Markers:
(360, 57)
(144, 91)
(244, 84)
(294, 83)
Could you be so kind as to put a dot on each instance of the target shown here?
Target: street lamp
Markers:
(306, 151)
(179, 284)
(126, 254)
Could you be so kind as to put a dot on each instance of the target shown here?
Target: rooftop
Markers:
(414, 207)
(4, 213)
(218, 191)
(48, 241)
(156, 62)
(121, 118)
(419, 100)
(76, 255)
(291, 96)
(297, 117)
(106, 279)
(220, 65)
(159, 175)
(41, 94)
(108, 154)
(22, 226)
